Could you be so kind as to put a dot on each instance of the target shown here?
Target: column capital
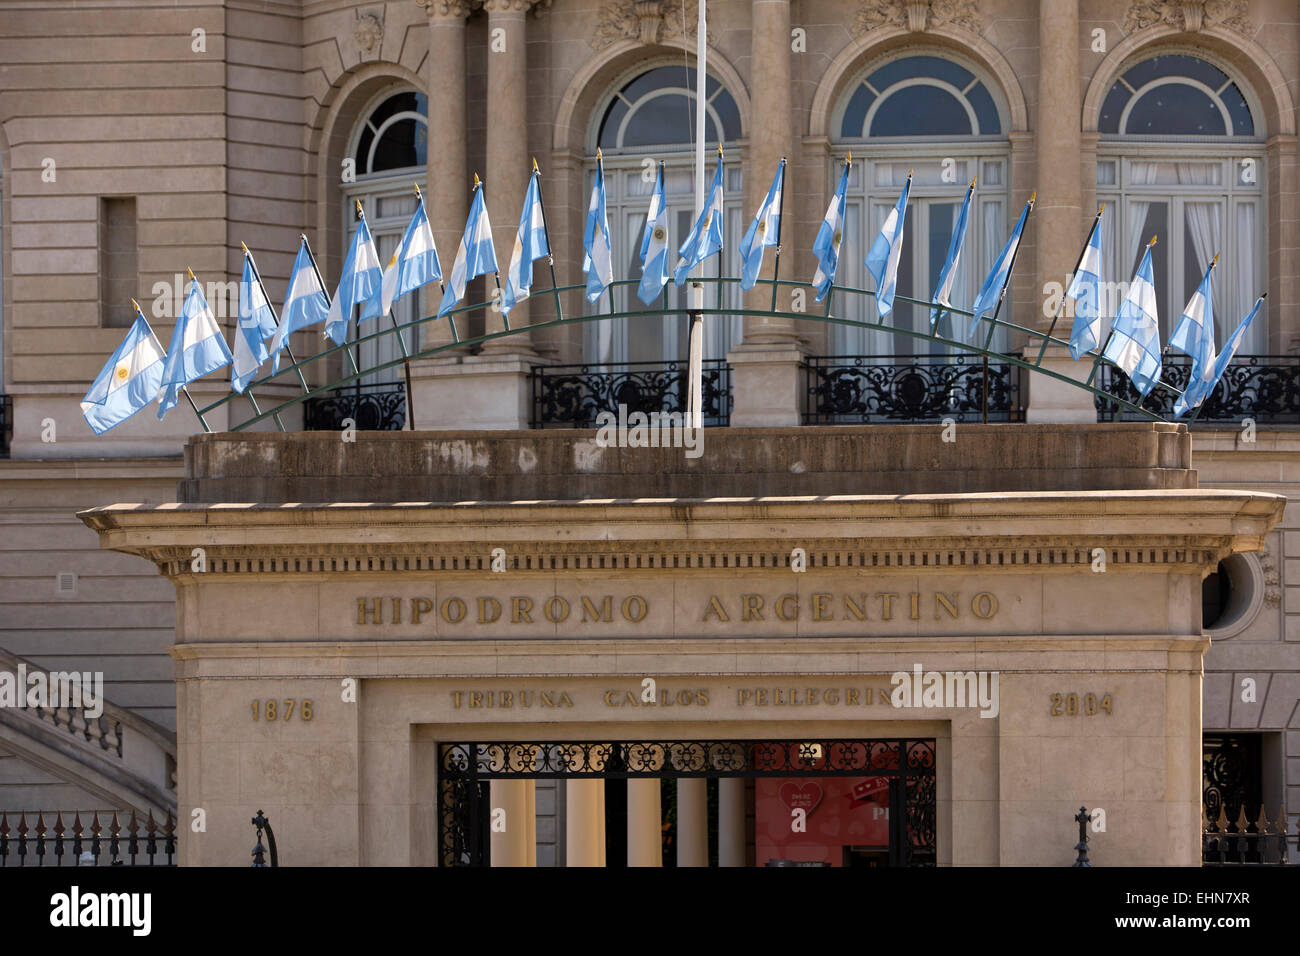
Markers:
(513, 6)
(446, 9)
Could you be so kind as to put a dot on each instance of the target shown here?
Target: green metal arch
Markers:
(1033, 336)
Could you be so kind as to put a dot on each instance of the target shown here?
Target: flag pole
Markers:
(301, 380)
(695, 353)
(401, 343)
(1087, 241)
(550, 255)
(248, 391)
(316, 269)
(1201, 404)
(1101, 354)
(830, 290)
(780, 220)
(993, 321)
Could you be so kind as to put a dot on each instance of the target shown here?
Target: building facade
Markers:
(141, 139)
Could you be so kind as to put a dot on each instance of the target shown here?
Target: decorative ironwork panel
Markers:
(572, 396)
(464, 770)
(1263, 387)
(372, 407)
(879, 389)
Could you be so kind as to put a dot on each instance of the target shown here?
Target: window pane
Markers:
(609, 125)
(985, 110)
(1112, 107)
(920, 66)
(729, 114)
(992, 174)
(855, 114)
(403, 144)
(661, 120)
(1106, 174)
(1176, 109)
(921, 111)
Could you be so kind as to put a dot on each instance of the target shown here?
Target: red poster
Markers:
(838, 812)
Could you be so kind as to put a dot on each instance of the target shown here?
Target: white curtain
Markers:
(1141, 173)
(1246, 291)
(995, 237)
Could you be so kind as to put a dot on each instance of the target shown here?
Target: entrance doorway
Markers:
(809, 802)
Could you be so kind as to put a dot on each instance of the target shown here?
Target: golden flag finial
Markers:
(136, 306)
(417, 190)
(1102, 209)
(190, 271)
(850, 161)
(360, 212)
(244, 247)
(477, 182)
(1215, 261)
(1033, 196)
(1152, 242)
(535, 169)
(972, 181)
(719, 149)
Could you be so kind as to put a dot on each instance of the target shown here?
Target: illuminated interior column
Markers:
(516, 845)
(584, 822)
(766, 366)
(644, 819)
(732, 842)
(692, 822)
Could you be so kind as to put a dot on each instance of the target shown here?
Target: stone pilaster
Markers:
(767, 366)
(692, 822)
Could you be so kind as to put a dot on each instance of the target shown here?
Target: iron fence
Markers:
(1265, 388)
(6, 424)
(376, 407)
(572, 396)
(1246, 841)
(78, 844)
(885, 389)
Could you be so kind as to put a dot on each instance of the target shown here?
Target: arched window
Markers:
(394, 135)
(919, 96)
(1202, 196)
(657, 108)
(389, 148)
(940, 118)
(652, 114)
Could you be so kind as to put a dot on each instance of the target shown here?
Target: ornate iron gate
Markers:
(466, 769)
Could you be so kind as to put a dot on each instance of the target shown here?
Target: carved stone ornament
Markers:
(452, 9)
(917, 15)
(507, 6)
(646, 21)
(1272, 580)
(368, 32)
(1189, 15)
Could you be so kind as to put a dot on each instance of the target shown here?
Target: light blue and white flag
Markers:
(995, 282)
(764, 231)
(826, 247)
(1134, 343)
(475, 256)
(705, 237)
(654, 244)
(304, 304)
(882, 258)
(414, 263)
(197, 348)
(128, 381)
(1194, 337)
(531, 242)
(256, 325)
(597, 252)
(1085, 291)
(942, 300)
(361, 282)
(1206, 387)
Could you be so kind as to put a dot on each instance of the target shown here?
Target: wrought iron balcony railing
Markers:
(889, 389)
(1263, 387)
(572, 396)
(380, 407)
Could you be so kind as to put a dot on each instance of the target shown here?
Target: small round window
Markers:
(1231, 596)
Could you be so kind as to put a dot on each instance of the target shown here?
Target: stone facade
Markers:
(230, 123)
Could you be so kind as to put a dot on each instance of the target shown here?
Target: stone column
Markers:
(692, 822)
(644, 820)
(767, 378)
(732, 842)
(516, 845)
(584, 822)
(446, 200)
(1058, 214)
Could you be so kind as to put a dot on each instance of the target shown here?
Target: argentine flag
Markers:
(1194, 336)
(360, 283)
(415, 262)
(705, 237)
(882, 259)
(654, 244)
(1135, 337)
(1221, 362)
(764, 231)
(475, 256)
(995, 283)
(1085, 290)
(531, 243)
(942, 300)
(128, 382)
(304, 304)
(197, 348)
(256, 325)
(597, 253)
(826, 247)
